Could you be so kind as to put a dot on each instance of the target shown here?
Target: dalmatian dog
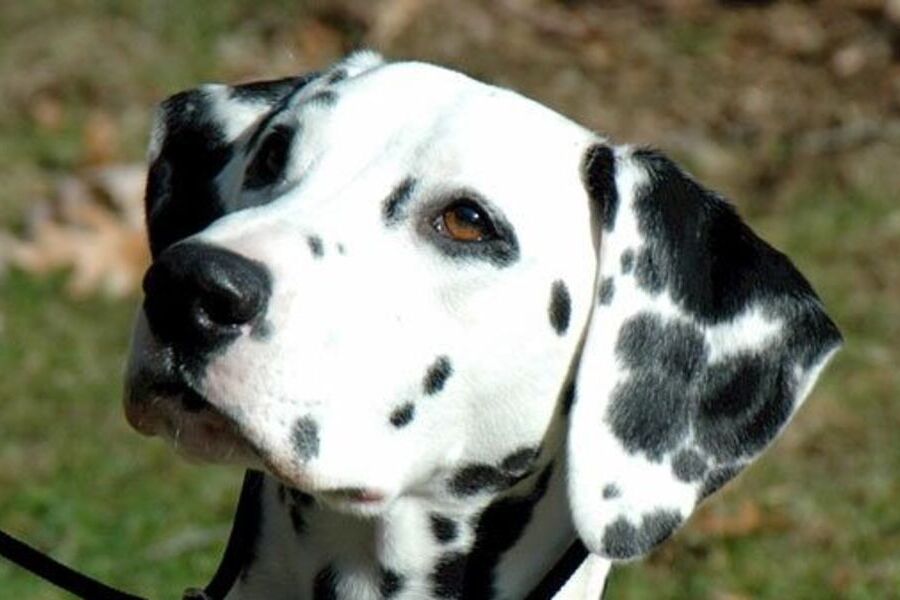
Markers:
(460, 341)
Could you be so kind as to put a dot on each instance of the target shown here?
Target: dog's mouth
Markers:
(175, 411)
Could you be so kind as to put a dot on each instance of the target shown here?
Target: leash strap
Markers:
(63, 577)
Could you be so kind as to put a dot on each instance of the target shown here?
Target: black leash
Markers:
(58, 574)
(243, 530)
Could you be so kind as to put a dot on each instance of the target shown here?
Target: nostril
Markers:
(227, 297)
(201, 293)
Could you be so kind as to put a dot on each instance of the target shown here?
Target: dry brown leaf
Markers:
(94, 228)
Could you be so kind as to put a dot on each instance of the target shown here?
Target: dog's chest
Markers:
(417, 552)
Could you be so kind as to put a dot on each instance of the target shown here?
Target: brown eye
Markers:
(465, 221)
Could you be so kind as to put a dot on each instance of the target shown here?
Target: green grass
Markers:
(76, 480)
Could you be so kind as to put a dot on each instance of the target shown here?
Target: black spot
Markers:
(688, 465)
(717, 478)
(650, 410)
(648, 273)
(600, 180)
(519, 462)
(336, 76)
(499, 527)
(341, 250)
(395, 204)
(391, 583)
(606, 291)
(627, 261)
(712, 263)
(622, 540)
(315, 246)
(744, 403)
(402, 416)
(325, 584)
(305, 437)
(568, 396)
(610, 491)
(437, 376)
(447, 577)
(323, 98)
(443, 528)
(560, 307)
(477, 478)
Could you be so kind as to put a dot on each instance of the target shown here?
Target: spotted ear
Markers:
(702, 343)
(196, 140)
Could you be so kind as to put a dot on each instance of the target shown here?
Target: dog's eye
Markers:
(465, 221)
(271, 158)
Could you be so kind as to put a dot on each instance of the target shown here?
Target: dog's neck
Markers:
(491, 547)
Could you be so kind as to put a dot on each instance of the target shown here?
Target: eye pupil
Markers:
(465, 221)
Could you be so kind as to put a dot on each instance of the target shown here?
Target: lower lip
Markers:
(361, 496)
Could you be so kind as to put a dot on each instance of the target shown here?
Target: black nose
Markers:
(198, 296)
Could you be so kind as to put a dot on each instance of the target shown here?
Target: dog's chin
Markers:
(196, 430)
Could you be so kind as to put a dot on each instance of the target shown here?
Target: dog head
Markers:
(390, 279)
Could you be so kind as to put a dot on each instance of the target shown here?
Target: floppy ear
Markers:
(702, 343)
(196, 134)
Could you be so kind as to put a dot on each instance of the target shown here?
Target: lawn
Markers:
(818, 517)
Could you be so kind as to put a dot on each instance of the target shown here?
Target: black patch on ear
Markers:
(717, 478)
(745, 401)
(648, 273)
(688, 465)
(443, 528)
(623, 540)
(610, 491)
(391, 583)
(305, 437)
(403, 415)
(325, 584)
(606, 291)
(711, 262)
(600, 180)
(649, 411)
(627, 261)
(270, 91)
(181, 197)
(437, 376)
(394, 205)
(447, 577)
(560, 307)
(315, 246)
(568, 396)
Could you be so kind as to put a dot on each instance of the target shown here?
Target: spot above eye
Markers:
(271, 158)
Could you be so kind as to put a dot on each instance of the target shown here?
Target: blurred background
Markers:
(790, 108)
